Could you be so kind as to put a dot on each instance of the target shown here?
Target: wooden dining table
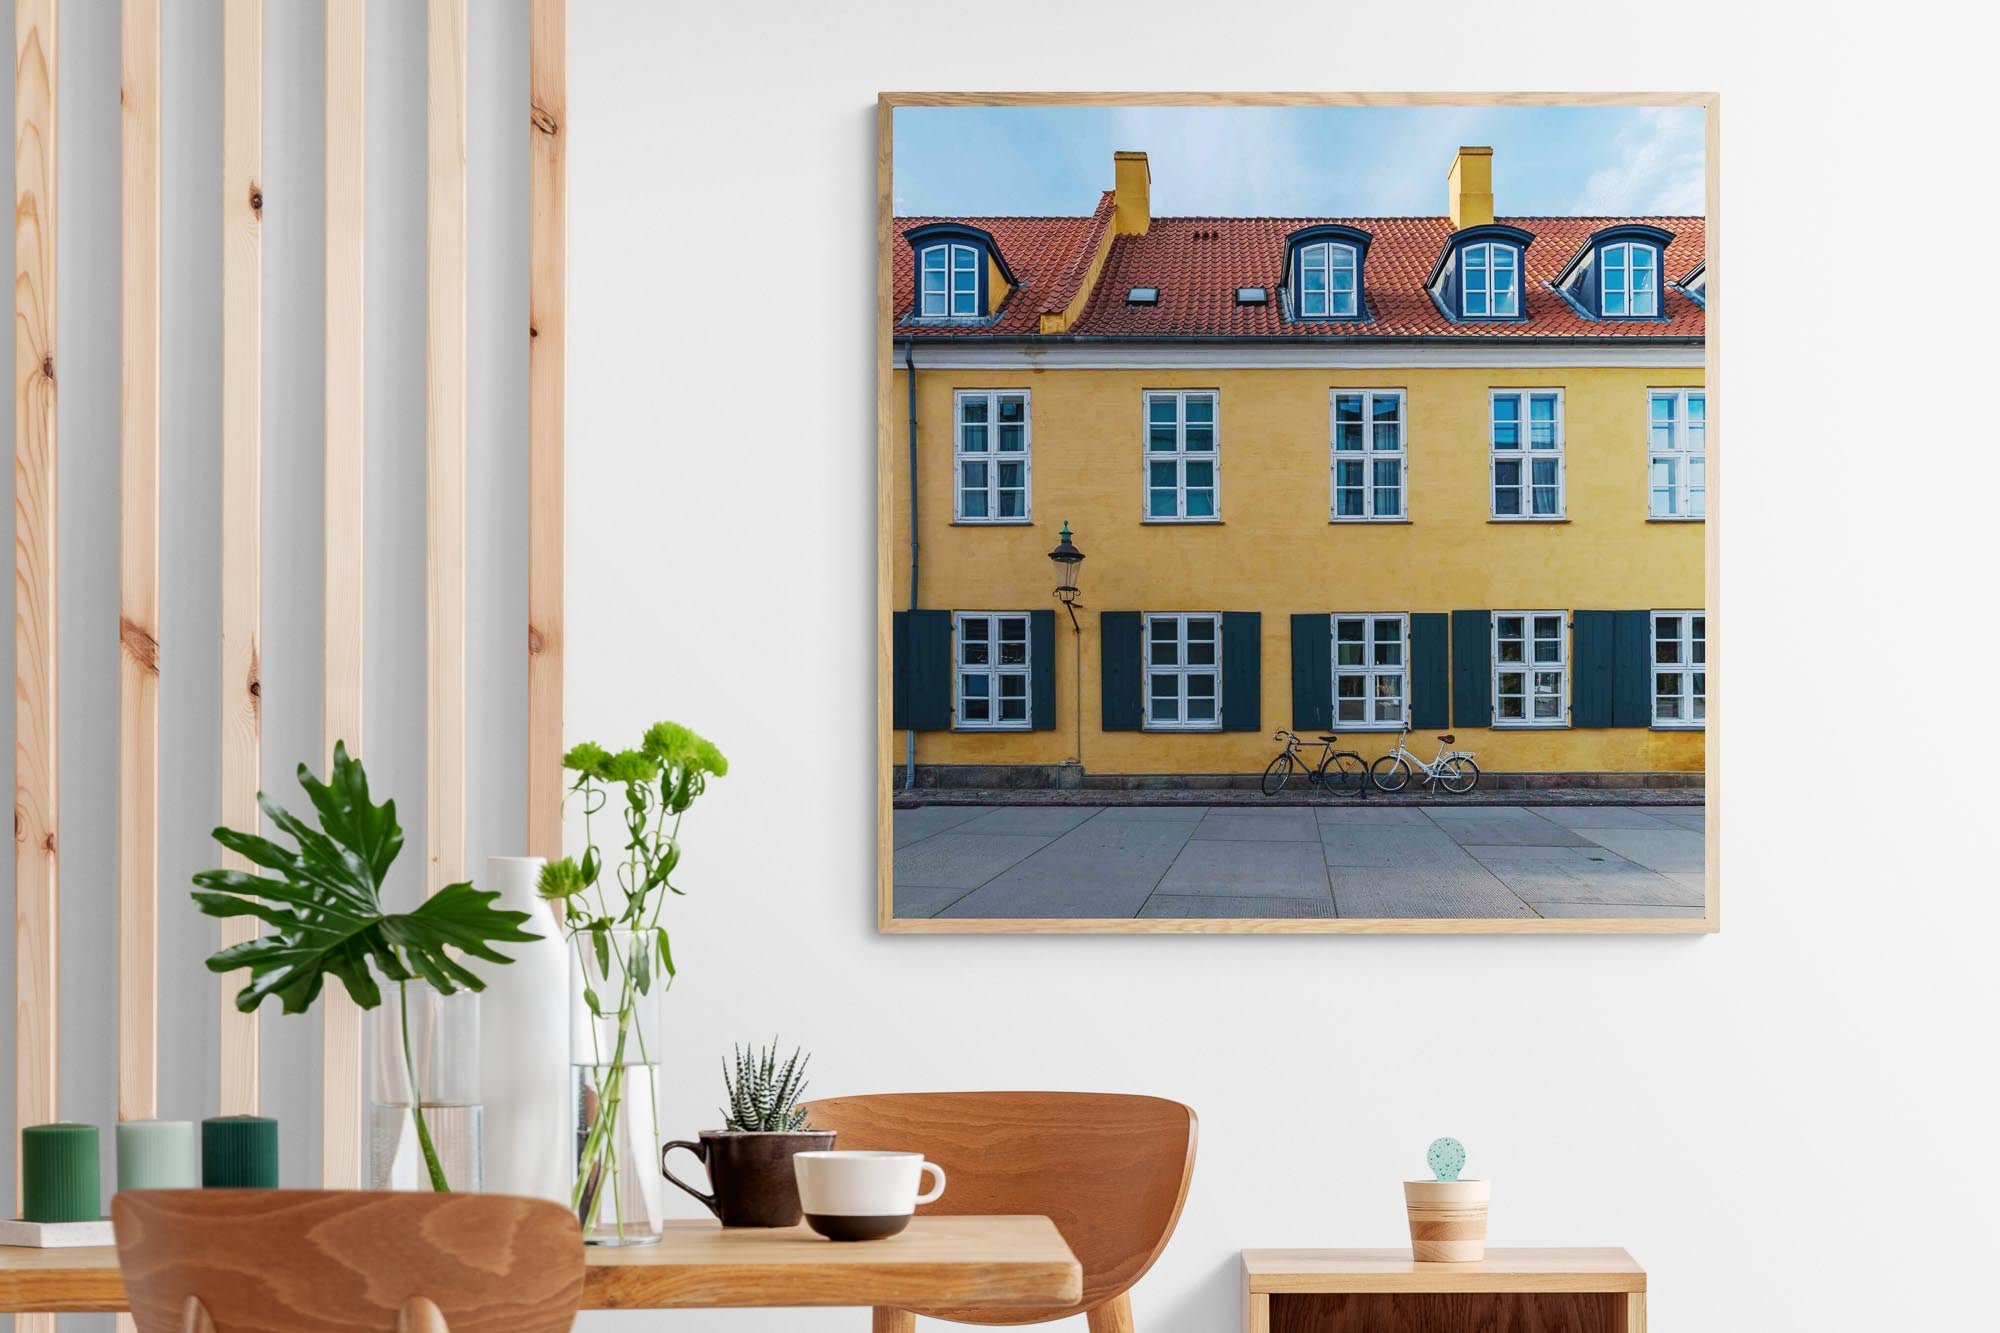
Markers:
(938, 1263)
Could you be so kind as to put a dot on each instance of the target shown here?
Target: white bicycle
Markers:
(1452, 770)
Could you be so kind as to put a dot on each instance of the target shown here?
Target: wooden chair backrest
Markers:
(1110, 1170)
(341, 1261)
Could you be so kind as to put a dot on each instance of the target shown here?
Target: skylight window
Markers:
(1251, 296)
(1143, 296)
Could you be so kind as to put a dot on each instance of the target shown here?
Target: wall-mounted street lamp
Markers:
(1066, 558)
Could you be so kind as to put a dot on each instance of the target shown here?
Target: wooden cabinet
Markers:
(1385, 1291)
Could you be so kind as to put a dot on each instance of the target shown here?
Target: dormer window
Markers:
(1695, 284)
(1630, 281)
(1617, 273)
(1325, 273)
(950, 281)
(1490, 279)
(960, 272)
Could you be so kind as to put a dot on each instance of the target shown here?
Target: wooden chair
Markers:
(338, 1261)
(1110, 1170)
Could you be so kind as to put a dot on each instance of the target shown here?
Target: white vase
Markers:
(525, 1045)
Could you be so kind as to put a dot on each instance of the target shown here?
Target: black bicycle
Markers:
(1341, 772)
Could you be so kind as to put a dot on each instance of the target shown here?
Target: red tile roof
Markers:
(1198, 263)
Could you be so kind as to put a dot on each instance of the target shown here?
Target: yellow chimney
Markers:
(1471, 188)
(1133, 187)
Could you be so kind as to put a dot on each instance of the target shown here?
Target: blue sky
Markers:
(1297, 161)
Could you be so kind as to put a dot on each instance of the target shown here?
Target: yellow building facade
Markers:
(1519, 510)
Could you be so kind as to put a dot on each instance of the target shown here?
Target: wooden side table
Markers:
(1376, 1291)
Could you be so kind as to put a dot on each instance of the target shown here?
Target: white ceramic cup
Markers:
(862, 1195)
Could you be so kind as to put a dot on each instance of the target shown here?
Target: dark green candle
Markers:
(239, 1152)
(59, 1174)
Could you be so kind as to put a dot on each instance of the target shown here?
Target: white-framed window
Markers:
(1628, 278)
(1680, 669)
(1527, 437)
(1184, 671)
(1181, 456)
(1368, 454)
(993, 664)
(990, 455)
(949, 282)
(1530, 669)
(1489, 280)
(1329, 280)
(1677, 453)
(1371, 671)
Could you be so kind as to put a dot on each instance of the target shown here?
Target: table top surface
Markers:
(1565, 1269)
(938, 1263)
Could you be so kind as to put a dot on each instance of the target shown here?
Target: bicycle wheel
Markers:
(1278, 774)
(1458, 775)
(1391, 772)
(1343, 773)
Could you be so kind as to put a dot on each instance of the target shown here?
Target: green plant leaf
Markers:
(323, 909)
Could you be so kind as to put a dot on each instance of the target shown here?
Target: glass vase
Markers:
(416, 1031)
(615, 993)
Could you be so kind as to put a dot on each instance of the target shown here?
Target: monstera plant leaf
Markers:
(322, 906)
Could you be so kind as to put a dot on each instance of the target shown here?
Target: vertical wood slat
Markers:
(343, 1134)
(548, 73)
(242, 515)
(445, 396)
(35, 867)
(139, 563)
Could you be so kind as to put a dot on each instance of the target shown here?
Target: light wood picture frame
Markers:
(1077, 669)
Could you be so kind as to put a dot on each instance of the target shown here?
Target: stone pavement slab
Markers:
(1041, 821)
(1609, 910)
(1542, 875)
(1403, 848)
(1602, 816)
(1374, 816)
(1693, 817)
(1097, 870)
(1185, 905)
(920, 823)
(1502, 826)
(921, 900)
(961, 860)
(1666, 850)
(1281, 824)
(1429, 892)
(1254, 869)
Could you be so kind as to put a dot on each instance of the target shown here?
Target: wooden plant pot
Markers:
(1447, 1219)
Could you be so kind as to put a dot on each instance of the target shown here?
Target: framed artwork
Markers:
(1297, 512)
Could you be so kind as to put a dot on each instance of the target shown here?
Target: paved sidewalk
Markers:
(1099, 861)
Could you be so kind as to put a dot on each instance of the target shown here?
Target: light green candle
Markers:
(158, 1155)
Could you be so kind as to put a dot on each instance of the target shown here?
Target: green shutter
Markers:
(1593, 668)
(1472, 668)
(929, 656)
(899, 672)
(1242, 671)
(1312, 673)
(1042, 669)
(1430, 671)
(1632, 670)
(1123, 682)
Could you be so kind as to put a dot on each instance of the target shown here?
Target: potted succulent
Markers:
(749, 1160)
(1447, 1215)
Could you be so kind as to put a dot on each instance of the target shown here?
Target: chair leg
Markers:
(420, 1315)
(894, 1321)
(1114, 1316)
(194, 1317)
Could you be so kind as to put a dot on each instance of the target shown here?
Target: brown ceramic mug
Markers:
(750, 1174)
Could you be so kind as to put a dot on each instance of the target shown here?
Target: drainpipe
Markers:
(910, 376)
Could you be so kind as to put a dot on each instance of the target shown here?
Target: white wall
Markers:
(1772, 1120)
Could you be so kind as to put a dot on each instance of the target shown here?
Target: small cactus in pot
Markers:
(749, 1160)
(1447, 1214)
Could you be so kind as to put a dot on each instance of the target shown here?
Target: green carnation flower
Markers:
(588, 758)
(561, 879)
(631, 766)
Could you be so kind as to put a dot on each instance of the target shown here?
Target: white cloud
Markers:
(1658, 168)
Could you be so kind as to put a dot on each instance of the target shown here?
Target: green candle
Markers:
(59, 1174)
(158, 1155)
(239, 1152)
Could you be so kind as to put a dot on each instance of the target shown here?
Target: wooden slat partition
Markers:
(343, 1134)
(35, 868)
(139, 562)
(548, 73)
(444, 508)
(242, 521)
